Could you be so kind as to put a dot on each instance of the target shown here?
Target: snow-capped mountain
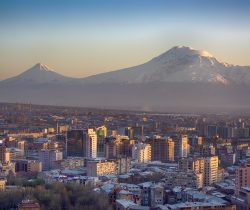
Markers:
(181, 79)
(179, 64)
(38, 74)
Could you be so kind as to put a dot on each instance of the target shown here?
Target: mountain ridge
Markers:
(179, 56)
(181, 78)
(37, 74)
(195, 65)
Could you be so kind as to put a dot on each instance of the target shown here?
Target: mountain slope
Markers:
(181, 79)
(179, 64)
(38, 74)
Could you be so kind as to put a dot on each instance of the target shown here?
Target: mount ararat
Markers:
(181, 79)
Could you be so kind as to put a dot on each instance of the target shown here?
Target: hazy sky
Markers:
(80, 38)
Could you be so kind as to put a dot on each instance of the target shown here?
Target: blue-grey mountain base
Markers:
(181, 79)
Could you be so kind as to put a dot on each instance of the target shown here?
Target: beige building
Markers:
(141, 152)
(210, 170)
(7, 156)
(14, 153)
(184, 146)
(119, 146)
(6, 168)
(242, 178)
(101, 167)
(62, 128)
(170, 149)
(162, 149)
(34, 166)
(199, 140)
(197, 165)
(2, 184)
(28, 165)
(192, 163)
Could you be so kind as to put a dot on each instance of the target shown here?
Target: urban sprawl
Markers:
(136, 160)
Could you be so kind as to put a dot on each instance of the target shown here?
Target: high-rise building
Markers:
(101, 147)
(44, 158)
(208, 150)
(101, 131)
(141, 152)
(162, 149)
(199, 140)
(119, 146)
(75, 143)
(129, 132)
(110, 147)
(135, 131)
(138, 131)
(183, 164)
(192, 163)
(170, 149)
(123, 165)
(195, 140)
(240, 132)
(126, 146)
(210, 170)
(181, 147)
(91, 144)
(48, 158)
(242, 178)
(197, 165)
(184, 146)
(2, 151)
(224, 132)
(211, 131)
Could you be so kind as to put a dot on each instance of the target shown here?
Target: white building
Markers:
(91, 144)
(210, 170)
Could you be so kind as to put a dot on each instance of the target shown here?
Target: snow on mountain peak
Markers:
(39, 73)
(179, 64)
(185, 54)
(43, 67)
(190, 51)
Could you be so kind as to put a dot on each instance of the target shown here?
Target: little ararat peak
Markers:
(42, 67)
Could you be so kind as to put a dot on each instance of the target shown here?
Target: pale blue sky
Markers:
(80, 38)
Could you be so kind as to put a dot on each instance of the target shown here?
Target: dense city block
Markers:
(123, 159)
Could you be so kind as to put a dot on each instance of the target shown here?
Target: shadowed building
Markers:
(75, 143)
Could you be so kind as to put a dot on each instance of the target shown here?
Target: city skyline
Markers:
(129, 104)
(89, 37)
